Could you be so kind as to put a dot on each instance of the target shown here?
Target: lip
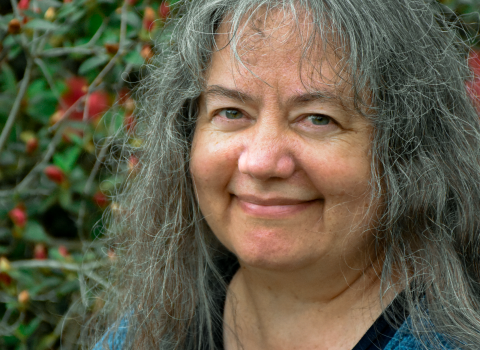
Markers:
(273, 208)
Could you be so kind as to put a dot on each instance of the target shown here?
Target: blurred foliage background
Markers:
(66, 72)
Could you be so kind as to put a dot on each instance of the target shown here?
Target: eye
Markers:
(319, 119)
(231, 114)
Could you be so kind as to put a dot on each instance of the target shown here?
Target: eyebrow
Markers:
(237, 95)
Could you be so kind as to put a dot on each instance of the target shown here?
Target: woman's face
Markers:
(282, 174)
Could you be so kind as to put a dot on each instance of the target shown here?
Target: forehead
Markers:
(277, 46)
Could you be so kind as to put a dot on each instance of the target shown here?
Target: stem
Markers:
(54, 264)
(68, 50)
(50, 82)
(88, 185)
(16, 104)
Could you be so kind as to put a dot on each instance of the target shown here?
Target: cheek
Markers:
(212, 164)
(339, 175)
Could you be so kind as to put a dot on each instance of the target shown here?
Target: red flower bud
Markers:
(39, 252)
(97, 103)
(31, 145)
(18, 216)
(474, 62)
(123, 95)
(130, 123)
(111, 48)
(146, 52)
(111, 255)
(148, 19)
(23, 4)
(55, 174)
(473, 86)
(100, 199)
(5, 278)
(132, 163)
(63, 251)
(77, 87)
(23, 297)
(164, 10)
(14, 26)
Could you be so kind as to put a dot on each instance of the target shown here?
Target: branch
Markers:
(69, 50)
(16, 104)
(88, 185)
(98, 279)
(54, 264)
(82, 49)
(67, 113)
(50, 82)
(98, 33)
(121, 49)
(97, 80)
(50, 151)
(23, 38)
(31, 193)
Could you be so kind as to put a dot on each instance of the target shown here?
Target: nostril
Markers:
(263, 165)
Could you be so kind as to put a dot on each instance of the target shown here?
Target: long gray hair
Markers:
(411, 63)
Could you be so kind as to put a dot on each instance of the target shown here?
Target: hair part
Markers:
(406, 65)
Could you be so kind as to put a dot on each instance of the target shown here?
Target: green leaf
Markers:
(6, 103)
(31, 14)
(134, 58)
(8, 81)
(77, 15)
(48, 341)
(93, 23)
(45, 285)
(66, 10)
(92, 62)
(4, 249)
(134, 20)
(37, 86)
(41, 24)
(42, 105)
(34, 232)
(68, 287)
(65, 199)
(27, 330)
(67, 161)
(51, 3)
(14, 52)
(46, 204)
(23, 278)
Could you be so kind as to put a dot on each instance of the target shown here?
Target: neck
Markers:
(327, 308)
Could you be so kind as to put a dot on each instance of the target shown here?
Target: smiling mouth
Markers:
(273, 208)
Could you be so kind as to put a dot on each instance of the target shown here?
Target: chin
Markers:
(271, 254)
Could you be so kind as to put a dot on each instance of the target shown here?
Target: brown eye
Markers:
(319, 119)
(231, 114)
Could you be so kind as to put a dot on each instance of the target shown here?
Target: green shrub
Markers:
(66, 71)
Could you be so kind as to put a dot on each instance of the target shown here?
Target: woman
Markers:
(309, 179)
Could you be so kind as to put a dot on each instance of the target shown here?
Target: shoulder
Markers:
(405, 340)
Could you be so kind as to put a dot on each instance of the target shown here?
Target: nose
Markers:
(267, 153)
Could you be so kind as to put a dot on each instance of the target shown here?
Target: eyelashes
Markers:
(233, 114)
